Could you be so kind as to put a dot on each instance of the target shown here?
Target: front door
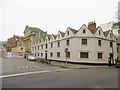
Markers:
(46, 56)
(111, 55)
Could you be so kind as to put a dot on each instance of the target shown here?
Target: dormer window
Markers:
(99, 32)
(84, 31)
(118, 31)
(58, 35)
(39, 41)
(67, 32)
(110, 35)
(46, 46)
(46, 40)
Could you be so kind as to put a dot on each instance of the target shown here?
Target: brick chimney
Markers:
(92, 25)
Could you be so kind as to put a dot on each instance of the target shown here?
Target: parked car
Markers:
(118, 63)
(31, 58)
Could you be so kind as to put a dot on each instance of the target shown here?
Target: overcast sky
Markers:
(52, 15)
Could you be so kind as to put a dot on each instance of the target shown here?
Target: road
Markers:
(45, 76)
(13, 66)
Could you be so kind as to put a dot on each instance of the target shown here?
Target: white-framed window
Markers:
(41, 46)
(58, 54)
(38, 47)
(111, 44)
(84, 54)
(99, 55)
(51, 45)
(99, 42)
(41, 54)
(67, 42)
(46, 46)
(38, 54)
(21, 48)
(84, 31)
(84, 41)
(51, 54)
(58, 44)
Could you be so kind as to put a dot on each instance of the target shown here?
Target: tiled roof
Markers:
(73, 30)
(43, 37)
(62, 33)
(106, 33)
(93, 31)
(33, 29)
(54, 36)
(19, 37)
(49, 36)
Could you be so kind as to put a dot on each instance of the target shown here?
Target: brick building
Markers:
(13, 42)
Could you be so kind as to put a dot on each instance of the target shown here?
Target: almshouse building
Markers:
(88, 44)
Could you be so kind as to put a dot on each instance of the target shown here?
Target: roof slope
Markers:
(73, 30)
(62, 33)
(106, 33)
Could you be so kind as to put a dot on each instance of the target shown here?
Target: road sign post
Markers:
(66, 52)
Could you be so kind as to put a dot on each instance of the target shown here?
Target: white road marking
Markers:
(61, 69)
(20, 74)
(24, 67)
(12, 75)
(30, 66)
(35, 66)
(27, 67)
(19, 67)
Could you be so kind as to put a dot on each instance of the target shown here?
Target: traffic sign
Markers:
(66, 50)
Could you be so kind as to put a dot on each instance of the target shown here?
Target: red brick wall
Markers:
(92, 25)
(11, 43)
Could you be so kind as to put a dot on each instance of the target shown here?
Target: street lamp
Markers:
(112, 36)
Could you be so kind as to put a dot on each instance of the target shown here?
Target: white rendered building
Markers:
(88, 44)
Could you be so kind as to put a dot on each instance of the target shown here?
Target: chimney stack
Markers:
(92, 25)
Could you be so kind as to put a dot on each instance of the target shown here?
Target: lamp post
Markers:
(112, 36)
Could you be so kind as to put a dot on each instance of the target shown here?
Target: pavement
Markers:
(78, 66)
